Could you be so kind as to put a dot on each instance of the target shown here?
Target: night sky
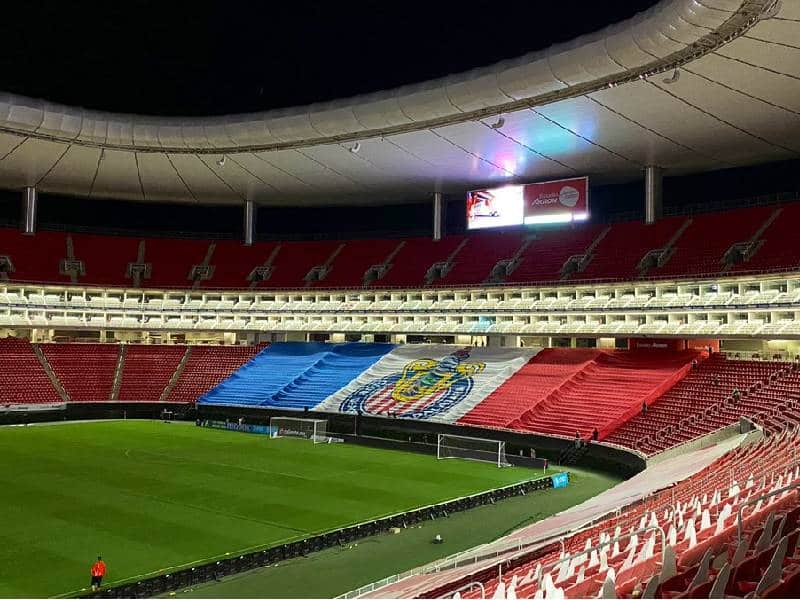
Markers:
(176, 57)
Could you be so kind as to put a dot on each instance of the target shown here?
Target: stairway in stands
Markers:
(605, 392)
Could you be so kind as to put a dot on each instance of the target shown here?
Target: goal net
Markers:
(471, 448)
(309, 429)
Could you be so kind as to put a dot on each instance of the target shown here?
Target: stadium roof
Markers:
(688, 85)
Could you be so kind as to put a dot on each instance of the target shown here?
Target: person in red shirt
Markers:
(98, 572)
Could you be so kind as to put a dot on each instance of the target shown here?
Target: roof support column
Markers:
(653, 179)
(437, 216)
(249, 222)
(30, 204)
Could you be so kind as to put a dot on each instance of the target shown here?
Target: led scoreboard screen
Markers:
(561, 201)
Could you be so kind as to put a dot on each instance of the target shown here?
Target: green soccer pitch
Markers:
(150, 496)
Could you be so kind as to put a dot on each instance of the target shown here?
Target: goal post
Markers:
(308, 429)
(472, 448)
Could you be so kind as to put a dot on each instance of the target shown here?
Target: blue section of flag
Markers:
(295, 375)
(560, 480)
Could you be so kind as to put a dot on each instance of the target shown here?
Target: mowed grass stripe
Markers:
(151, 496)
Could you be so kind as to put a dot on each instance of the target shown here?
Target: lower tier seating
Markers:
(695, 406)
(147, 371)
(543, 374)
(206, 367)
(602, 392)
(702, 554)
(86, 371)
(23, 379)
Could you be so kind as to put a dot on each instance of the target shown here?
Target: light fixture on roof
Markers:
(676, 74)
(355, 148)
(221, 161)
(498, 124)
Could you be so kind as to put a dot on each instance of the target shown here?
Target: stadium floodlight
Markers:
(307, 429)
(472, 448)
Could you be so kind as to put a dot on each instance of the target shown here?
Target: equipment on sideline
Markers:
(310, 429)
(471, 448)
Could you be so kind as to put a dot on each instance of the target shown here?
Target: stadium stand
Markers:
(357, 256)
(698, 516)
(694, 246)
(85, 370)
(702, 247)
(147, 371)
(295, 375)
(295, 260)
(543, 374)
(545, 257)
(105, 258)
(701, 403)
(602, 392)
(234, 262)
(23, 379)
(475, 261)
(619, 252)
(207, 366)
(411, 264)
(776, 247)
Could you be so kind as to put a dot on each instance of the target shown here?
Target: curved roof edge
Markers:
(660, 39)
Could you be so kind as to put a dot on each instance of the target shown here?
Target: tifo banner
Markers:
(428, 381)
(559, 201)
(562, 200)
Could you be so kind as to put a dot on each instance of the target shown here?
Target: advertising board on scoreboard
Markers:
(561, 201)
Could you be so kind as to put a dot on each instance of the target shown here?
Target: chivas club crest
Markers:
(425, 388)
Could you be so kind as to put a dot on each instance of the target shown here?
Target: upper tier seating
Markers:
(172, 261)
(349, 266)
(473, 264)
(704, 387)
(699, 250)
(23, 379)
(699, 519)
(86, 371)
(295, 375)
(36, 258)
(206, 367)
(604, 392)
(411, 264)
(295, 259)
(147, 371)
(545, 256)
(105, 258)
(779, 249)
(620, 251)
(233, 262)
